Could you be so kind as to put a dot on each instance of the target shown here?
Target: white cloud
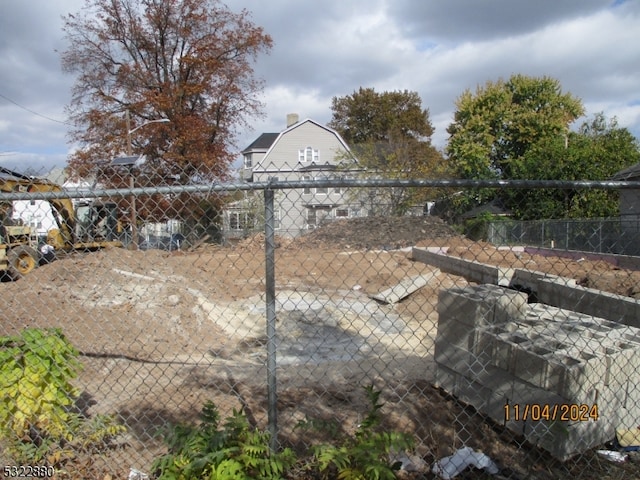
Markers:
(331, 48)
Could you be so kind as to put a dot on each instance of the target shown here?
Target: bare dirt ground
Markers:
(162, 332)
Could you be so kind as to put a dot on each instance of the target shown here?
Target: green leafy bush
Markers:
(237, 452)
(36, 368)
(366, 454)
(36, 399)
(233, 451)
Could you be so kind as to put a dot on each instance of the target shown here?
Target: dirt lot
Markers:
(162, 332)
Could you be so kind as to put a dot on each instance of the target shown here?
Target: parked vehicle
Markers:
(171, 243)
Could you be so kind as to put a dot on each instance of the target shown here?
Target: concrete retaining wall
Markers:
(549, 289)
(622, 261)
(474, 271)
(618, 308)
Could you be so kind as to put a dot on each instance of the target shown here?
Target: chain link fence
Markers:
(290, 302)
(617, 236)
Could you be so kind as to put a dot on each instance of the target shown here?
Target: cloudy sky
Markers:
(331, 48)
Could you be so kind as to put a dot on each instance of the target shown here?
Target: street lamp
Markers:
(130, 131)
(129, 161)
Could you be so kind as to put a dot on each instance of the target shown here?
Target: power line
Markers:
(33, 111)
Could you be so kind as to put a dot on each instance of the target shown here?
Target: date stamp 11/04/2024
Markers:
(563, 412)
(28, 471)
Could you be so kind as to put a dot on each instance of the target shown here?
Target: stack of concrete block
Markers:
(510, 359)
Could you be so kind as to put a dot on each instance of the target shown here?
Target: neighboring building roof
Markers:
(318, 166)
(629, 173)
(494, 207)
(298, 125)
(263, 142)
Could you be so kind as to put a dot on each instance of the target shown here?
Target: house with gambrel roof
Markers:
(304, 150)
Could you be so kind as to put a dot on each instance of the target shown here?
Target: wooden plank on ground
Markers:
(405, 288)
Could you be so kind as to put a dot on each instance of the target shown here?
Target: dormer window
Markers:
(247, 161)
(308, 155)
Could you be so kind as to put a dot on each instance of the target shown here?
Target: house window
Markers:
(307, 190)
(315, 216)
(309, 154)
(342, 212)
(322, 190)
(240, 220)
(247, 161)
(311, 217)
(337, 189)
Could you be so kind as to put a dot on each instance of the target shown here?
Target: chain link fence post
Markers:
(270, 291)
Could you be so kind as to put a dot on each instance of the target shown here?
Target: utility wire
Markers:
(32, 111)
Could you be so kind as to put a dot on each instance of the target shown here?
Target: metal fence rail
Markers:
(529, 360)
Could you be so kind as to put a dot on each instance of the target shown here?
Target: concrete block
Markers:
(503, 354)
(622, 362)
(576, 379)
(456, 332)
(446, 379)
(460, 359)
(474, 393)
(487, 392)
(521, 407)
(530, 364)
(405, 288)
(466, 306)
(481, 305)
(566, 439)
(529, 279)
(509, 304)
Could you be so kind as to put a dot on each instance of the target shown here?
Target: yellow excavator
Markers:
(87, 226)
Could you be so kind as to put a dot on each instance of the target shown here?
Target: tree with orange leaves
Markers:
(136, 61)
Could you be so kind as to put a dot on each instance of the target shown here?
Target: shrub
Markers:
(366, 454)
(36, 399)
(234, 451)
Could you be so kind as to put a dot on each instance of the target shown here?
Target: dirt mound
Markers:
(371, 233)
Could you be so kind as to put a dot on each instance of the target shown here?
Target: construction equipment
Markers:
(90, 225)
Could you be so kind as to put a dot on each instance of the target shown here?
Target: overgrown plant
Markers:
(36, 398)
(233, 451)
(366, 454)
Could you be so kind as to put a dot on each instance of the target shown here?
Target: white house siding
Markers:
(247, 173)
(282, 161)
(36, 214)
(283, 155)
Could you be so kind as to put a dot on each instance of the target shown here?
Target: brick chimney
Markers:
(292, 119)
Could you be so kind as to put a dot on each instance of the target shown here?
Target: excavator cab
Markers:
(97, 222)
